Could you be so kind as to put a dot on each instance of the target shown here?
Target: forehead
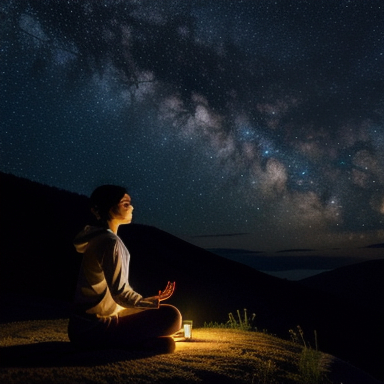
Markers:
(125, 198)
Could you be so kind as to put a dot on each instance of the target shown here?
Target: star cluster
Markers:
(221, 117)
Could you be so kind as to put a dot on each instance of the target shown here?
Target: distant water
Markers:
(295, 274)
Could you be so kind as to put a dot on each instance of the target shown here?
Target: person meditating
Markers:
(107, 311)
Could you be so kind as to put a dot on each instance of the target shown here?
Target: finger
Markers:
(168, 291)
(167, 287)
(166, 294)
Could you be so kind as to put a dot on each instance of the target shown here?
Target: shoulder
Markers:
(107, 237)
(102, 237)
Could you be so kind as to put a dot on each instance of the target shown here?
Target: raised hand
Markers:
(168, 291)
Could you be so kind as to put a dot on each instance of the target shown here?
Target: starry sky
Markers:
(254, 125)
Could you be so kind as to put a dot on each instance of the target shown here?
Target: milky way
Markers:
(257, 118)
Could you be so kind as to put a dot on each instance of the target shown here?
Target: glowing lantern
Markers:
(187, 329)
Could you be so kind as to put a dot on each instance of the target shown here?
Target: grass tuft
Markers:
(309, 364)
(310, 361)
(244, 324)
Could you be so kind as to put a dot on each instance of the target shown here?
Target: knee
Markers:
(170, 311)
(171, 314)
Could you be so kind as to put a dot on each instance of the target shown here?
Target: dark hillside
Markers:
(208, 287)
(38, 224)
(361, 284)
(38, 258)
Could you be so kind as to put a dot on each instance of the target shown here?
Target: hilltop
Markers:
(38, 258)
(39, 352)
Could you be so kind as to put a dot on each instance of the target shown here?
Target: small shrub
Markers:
(309, 364)
(244, 324)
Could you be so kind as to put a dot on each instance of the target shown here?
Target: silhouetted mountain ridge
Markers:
(38, 258)
(380, 245)
(361, 284)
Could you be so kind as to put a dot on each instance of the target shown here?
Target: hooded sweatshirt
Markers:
(103, 288)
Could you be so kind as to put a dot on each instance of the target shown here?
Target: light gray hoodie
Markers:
(103, 288)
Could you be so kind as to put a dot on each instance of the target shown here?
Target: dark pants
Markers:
(124, 331)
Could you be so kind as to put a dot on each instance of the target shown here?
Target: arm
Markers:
(116, 271)
(115, 265)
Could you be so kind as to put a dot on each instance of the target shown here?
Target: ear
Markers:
(96, 213)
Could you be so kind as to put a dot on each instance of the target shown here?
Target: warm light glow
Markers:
(188, 329)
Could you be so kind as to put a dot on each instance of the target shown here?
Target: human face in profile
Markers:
(122, 212)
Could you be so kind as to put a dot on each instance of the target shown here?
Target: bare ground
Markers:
(39, 352)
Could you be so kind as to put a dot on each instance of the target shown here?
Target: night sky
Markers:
(235, 124)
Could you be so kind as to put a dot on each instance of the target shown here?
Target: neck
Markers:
(113, 226)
